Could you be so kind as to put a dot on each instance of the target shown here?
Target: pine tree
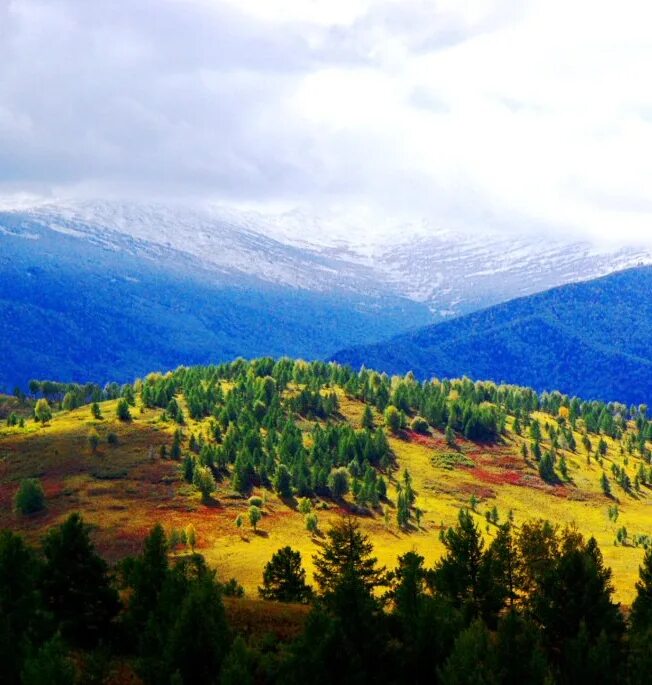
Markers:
(641, 615)
(284, 579)
(347, 549)
(367, 418)
(75, 583)
(604, 484)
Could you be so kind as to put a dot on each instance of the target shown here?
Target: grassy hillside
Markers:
(125, 487)
(590, 339)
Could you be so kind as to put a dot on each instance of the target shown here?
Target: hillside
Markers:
(590, 339)
(280, 430)
(103, 290)
(108, 307)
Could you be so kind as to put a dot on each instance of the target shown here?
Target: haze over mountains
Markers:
(109, 290)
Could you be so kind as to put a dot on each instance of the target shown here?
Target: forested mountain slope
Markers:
(591, 339)
(101, 290)
(107, 306)
(251, 456)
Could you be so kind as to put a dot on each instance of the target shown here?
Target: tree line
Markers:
(533, 606)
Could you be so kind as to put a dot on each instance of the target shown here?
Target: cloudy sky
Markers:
(526, 116)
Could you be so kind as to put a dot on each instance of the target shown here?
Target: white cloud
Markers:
(521, 116)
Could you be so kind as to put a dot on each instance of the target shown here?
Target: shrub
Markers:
(93, 439)
(419, 425)
(338, 482)
(30, 497)
(122, 410)
(256, 501)
(312, 523)
(112, 438)
(305, 505)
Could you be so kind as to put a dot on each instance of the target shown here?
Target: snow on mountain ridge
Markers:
(453, 272)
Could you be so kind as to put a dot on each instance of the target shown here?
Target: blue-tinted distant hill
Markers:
(99, 306)
(591, 339)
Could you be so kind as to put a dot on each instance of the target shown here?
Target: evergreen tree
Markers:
(282, 481)
(20, 603)
(96, 412)
(122, 410)
(347, 549)
(49, 665)
(30, 497)
(75, 584)
(641, 615)
(461, 574)
(367, 418)
(199, 638)
(284, 579)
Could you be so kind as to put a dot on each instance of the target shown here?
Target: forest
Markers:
(516, 599)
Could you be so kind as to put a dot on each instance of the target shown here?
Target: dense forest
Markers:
(591, 339)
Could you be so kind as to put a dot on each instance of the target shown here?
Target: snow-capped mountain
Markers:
(450, 272)
(107, 290)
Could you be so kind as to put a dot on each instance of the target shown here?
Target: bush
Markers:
(122, 410)
(312, 523)
(93, 439)
(30, 497)
(338, 482)
(419, 425)
(112, 438)
(255, 501)
(393, 419)
(305, 505)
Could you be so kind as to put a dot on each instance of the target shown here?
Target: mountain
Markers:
(83, 303)
(592, 339)
(99, 290)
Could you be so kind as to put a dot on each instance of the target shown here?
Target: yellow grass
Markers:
(122, 492)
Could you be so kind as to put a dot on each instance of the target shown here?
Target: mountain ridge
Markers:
(557, 339)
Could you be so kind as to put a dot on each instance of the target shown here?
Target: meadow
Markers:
(123, 489)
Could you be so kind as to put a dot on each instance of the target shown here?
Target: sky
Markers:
(521, 116)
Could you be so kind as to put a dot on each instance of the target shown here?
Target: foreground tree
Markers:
(641, 616)
(346, 635)
(284, 579)
(20, 615)
(75, 584)
(463, 572)
(347, 550)
(199, 638)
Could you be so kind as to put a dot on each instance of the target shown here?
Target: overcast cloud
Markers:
(527, 116)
